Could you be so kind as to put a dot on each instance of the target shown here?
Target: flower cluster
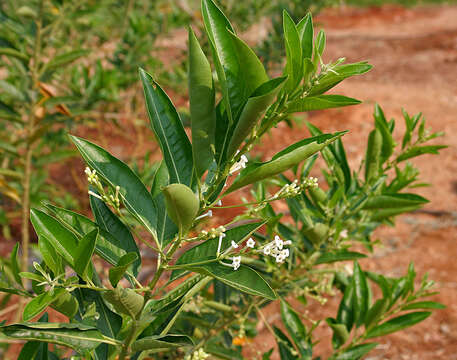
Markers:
(111, 199)
(294, 188)
(212, 233)
(200, 354)
(276, 249)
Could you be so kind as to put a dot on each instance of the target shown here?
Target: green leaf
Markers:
(286, 349)
(14, 53)
(136, 197)
(254, 109)
(39, 303)
(168, 128)
(51, 258)
(306, 33)
(398, 323)
(117, 272)
(360, 302)
(420, 150)
(373, 156)
(345, 310)
(320, 102)
(340, 333)
(356, 352)
(208, 249)
(283, 160)
(111, 246)
(63, 240)
(330, 79)
(423, 305)
(296, 329)
(382, 214)
(394, 201)
(202, 102)
(244, 279)
(79, 337)
(11, 90)
(15, 265)
(383, 127)
(84, 251)
(158, 343)
(319, 47)
(294, 64)
(343, 255)
(30, 350)
(65, 59)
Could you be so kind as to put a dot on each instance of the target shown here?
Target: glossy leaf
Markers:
(320, 102)
(373, 156)
(398, 323)
(79, 337)
(423, 305)
(51, 258)
(382, 214)
(394, 201)
(286, 349)
(343, 255)
(15, 265)
(294, 64)
(383, 127)
(39, 303)
(296, 329)
(360, 301)
(84, 251)
(162, 343)
(244, 279)
(63, 240)
(340, 333)
(116, 273)
(420, 150)
(134, 194)
(345, 310)
(330, 79)
(283, 160)
(254, 109)
(356, 352)
(306, 32)
(65, 59)
(202, 106)
(168, 128)
(208, 249)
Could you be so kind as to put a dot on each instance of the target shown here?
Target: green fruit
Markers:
(317, 234)
(318, 195)
(182, 205)
(125, 301)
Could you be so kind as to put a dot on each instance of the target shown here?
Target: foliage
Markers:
(210, 286)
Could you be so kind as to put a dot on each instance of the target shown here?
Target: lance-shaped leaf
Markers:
(62, 239)
(239, 70)
(331, 79)
(168, 128)
(84, 251)
(136, 197)
(394, 201)
(283, 160)
(306, 32)
(51, 258)
(360, 299)
(208, 249)
(356, 352)
(114, 238)
(158, 343)
(382, 214)
(254, 109)
(202, 106)
(117, 272)
(79, 337)
(420, 150)
(320, 102)
(286, 349)
(39, 303)
(65, 59)
(383, 127)
(296, 329)
(398, 323)
(294, 65)
(15, 265)
(244, 279)
(342, 255)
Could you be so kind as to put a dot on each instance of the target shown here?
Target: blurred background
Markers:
(71, 66)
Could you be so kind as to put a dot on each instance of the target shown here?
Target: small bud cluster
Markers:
(294, 188)
(276, 249)
(241, 164)
(111, 198)
(200, 354)
(212, 233)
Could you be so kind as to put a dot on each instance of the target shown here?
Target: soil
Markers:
(414, 53)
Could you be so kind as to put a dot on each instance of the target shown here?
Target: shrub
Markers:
(206, 298)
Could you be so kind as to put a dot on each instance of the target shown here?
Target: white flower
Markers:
(234, 245)
(344, 234)
(207, 214)
(250, 243)
(285, 253)
(236, 262)
(219, 203)
(287, 242)
(267, 250)
(241, 164)
(221, 236)
(278, 242)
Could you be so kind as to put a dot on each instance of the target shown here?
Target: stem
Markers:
(128, 341)
(29, 146)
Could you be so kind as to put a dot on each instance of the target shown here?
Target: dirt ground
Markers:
(414, 53)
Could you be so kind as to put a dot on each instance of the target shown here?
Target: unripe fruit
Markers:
(317, 234)
(125, 301)
(66, 304)
(182, 205)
